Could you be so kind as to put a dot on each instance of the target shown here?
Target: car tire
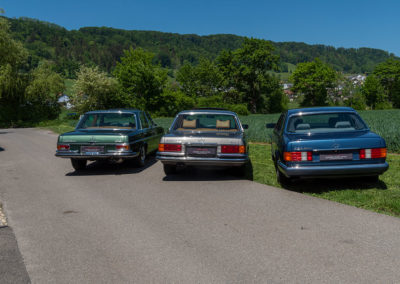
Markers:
(141, 159)
(78, 164)
(282, 179)
(169, 169)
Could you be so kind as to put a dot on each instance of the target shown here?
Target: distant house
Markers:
(287, 86)
(65, 101)
(357, 79)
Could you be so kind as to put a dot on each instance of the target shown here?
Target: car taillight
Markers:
(297, 156)
(233, 149)
(169, 147)
(63, 147)
(374, 153)
(122, 147)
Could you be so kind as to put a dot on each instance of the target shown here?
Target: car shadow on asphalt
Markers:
(1, 149)
(200, 174)
(208, 174)
(326, 185)
(113, 168)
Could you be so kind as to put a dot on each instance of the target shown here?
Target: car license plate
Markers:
(202, 151)
(92, 150)
(336, 157)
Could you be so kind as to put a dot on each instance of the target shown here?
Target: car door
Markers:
(156, 133)
(277, 138)
(145, 131)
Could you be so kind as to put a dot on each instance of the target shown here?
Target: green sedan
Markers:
(110, 134)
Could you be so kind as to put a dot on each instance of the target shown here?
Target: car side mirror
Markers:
(245, 126)
(270, 125)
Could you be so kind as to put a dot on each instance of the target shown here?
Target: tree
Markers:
(314, 79)
(42, 92)
(12, 58)
(248, 70)
(141, 81)
(375, 93)
(388, 73)
(352, 95)
(203, 80)
(95, 89)
(25, 95)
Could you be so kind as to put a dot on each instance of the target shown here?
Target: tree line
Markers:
(239, 80)
(102, 46)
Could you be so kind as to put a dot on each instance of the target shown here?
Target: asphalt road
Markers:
(118, 224)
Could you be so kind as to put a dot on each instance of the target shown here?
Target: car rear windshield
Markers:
(325, 123)
(205, 122)
(108, 121)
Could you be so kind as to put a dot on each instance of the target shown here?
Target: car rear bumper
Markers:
(111, 155)
(203, 161)
(331, 171)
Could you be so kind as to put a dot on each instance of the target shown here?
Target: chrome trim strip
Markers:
(122, 154)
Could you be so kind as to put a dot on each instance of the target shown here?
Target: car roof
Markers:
(207, 110)
(320, 110)
(120, 110)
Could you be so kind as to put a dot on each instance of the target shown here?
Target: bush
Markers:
(240, 109)
(357, 101)
(216, 101)
(383, 105)
(173, 102)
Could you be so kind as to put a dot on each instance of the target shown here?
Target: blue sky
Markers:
(337, 23)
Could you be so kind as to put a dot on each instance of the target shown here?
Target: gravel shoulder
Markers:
(3, 219)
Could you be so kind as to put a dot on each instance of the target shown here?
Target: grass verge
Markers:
(382, 196)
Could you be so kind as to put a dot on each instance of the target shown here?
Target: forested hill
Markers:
(103, 46)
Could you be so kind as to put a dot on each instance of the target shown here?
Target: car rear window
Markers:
(325, 123)
(108, 121)
(205, 122)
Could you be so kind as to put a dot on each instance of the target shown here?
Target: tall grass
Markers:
(386, 123)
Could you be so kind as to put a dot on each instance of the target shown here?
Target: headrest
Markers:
(303, 126)
(342, 124)
(223, 124)
(189, 123)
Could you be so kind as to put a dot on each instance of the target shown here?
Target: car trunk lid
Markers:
(328, 148)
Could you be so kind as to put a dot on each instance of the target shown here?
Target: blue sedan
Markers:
(326, 142)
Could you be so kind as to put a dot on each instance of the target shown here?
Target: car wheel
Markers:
(281, 178)
(78, 164)
(169, 169)
(141, 159)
